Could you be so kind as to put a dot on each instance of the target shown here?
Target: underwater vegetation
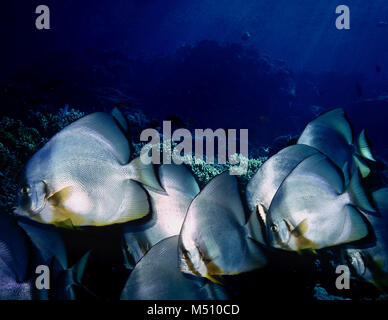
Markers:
(19, 141)
(287, 223)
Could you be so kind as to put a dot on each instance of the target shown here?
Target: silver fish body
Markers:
(214, 239)
(264, 184)
(157, 277)
(370, 261)
(312, 208)
(82, 176)
(168, 210)
(331, 134)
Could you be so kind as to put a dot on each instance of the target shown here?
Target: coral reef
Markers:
(18, 141)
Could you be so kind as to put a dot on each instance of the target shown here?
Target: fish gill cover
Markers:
(276, 231)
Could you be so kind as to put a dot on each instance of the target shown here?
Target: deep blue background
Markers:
(326, 67)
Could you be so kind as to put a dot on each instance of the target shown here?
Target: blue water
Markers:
(188, 60)
(312, 65)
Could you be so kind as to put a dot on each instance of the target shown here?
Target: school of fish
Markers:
(179, 242)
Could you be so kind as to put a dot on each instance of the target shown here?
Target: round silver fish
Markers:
(81, 177)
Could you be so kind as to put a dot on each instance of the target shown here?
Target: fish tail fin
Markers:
(361, 165)
(143, 173)
(380, 200)
(358, 194)
(120, 118)
(363, 146)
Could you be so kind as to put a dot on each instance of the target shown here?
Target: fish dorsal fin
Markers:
(336, 120)
(380, 200)
(103, 128)
(118, 115)
(47, 240)
(266, 181)
(361, 165)
(357, 193)
(178, 178)
(363, 147)
(223, 190)
(143, 173)
(322, 166)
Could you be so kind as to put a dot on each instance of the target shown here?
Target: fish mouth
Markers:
(38, 199)
(37, 206)
(282, 240)
(290, 228)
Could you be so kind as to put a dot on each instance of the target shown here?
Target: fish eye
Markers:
(273, 228)
(25, 189)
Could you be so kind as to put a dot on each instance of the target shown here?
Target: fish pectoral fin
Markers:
(302, 243)
(300, 229)
(57, 198)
